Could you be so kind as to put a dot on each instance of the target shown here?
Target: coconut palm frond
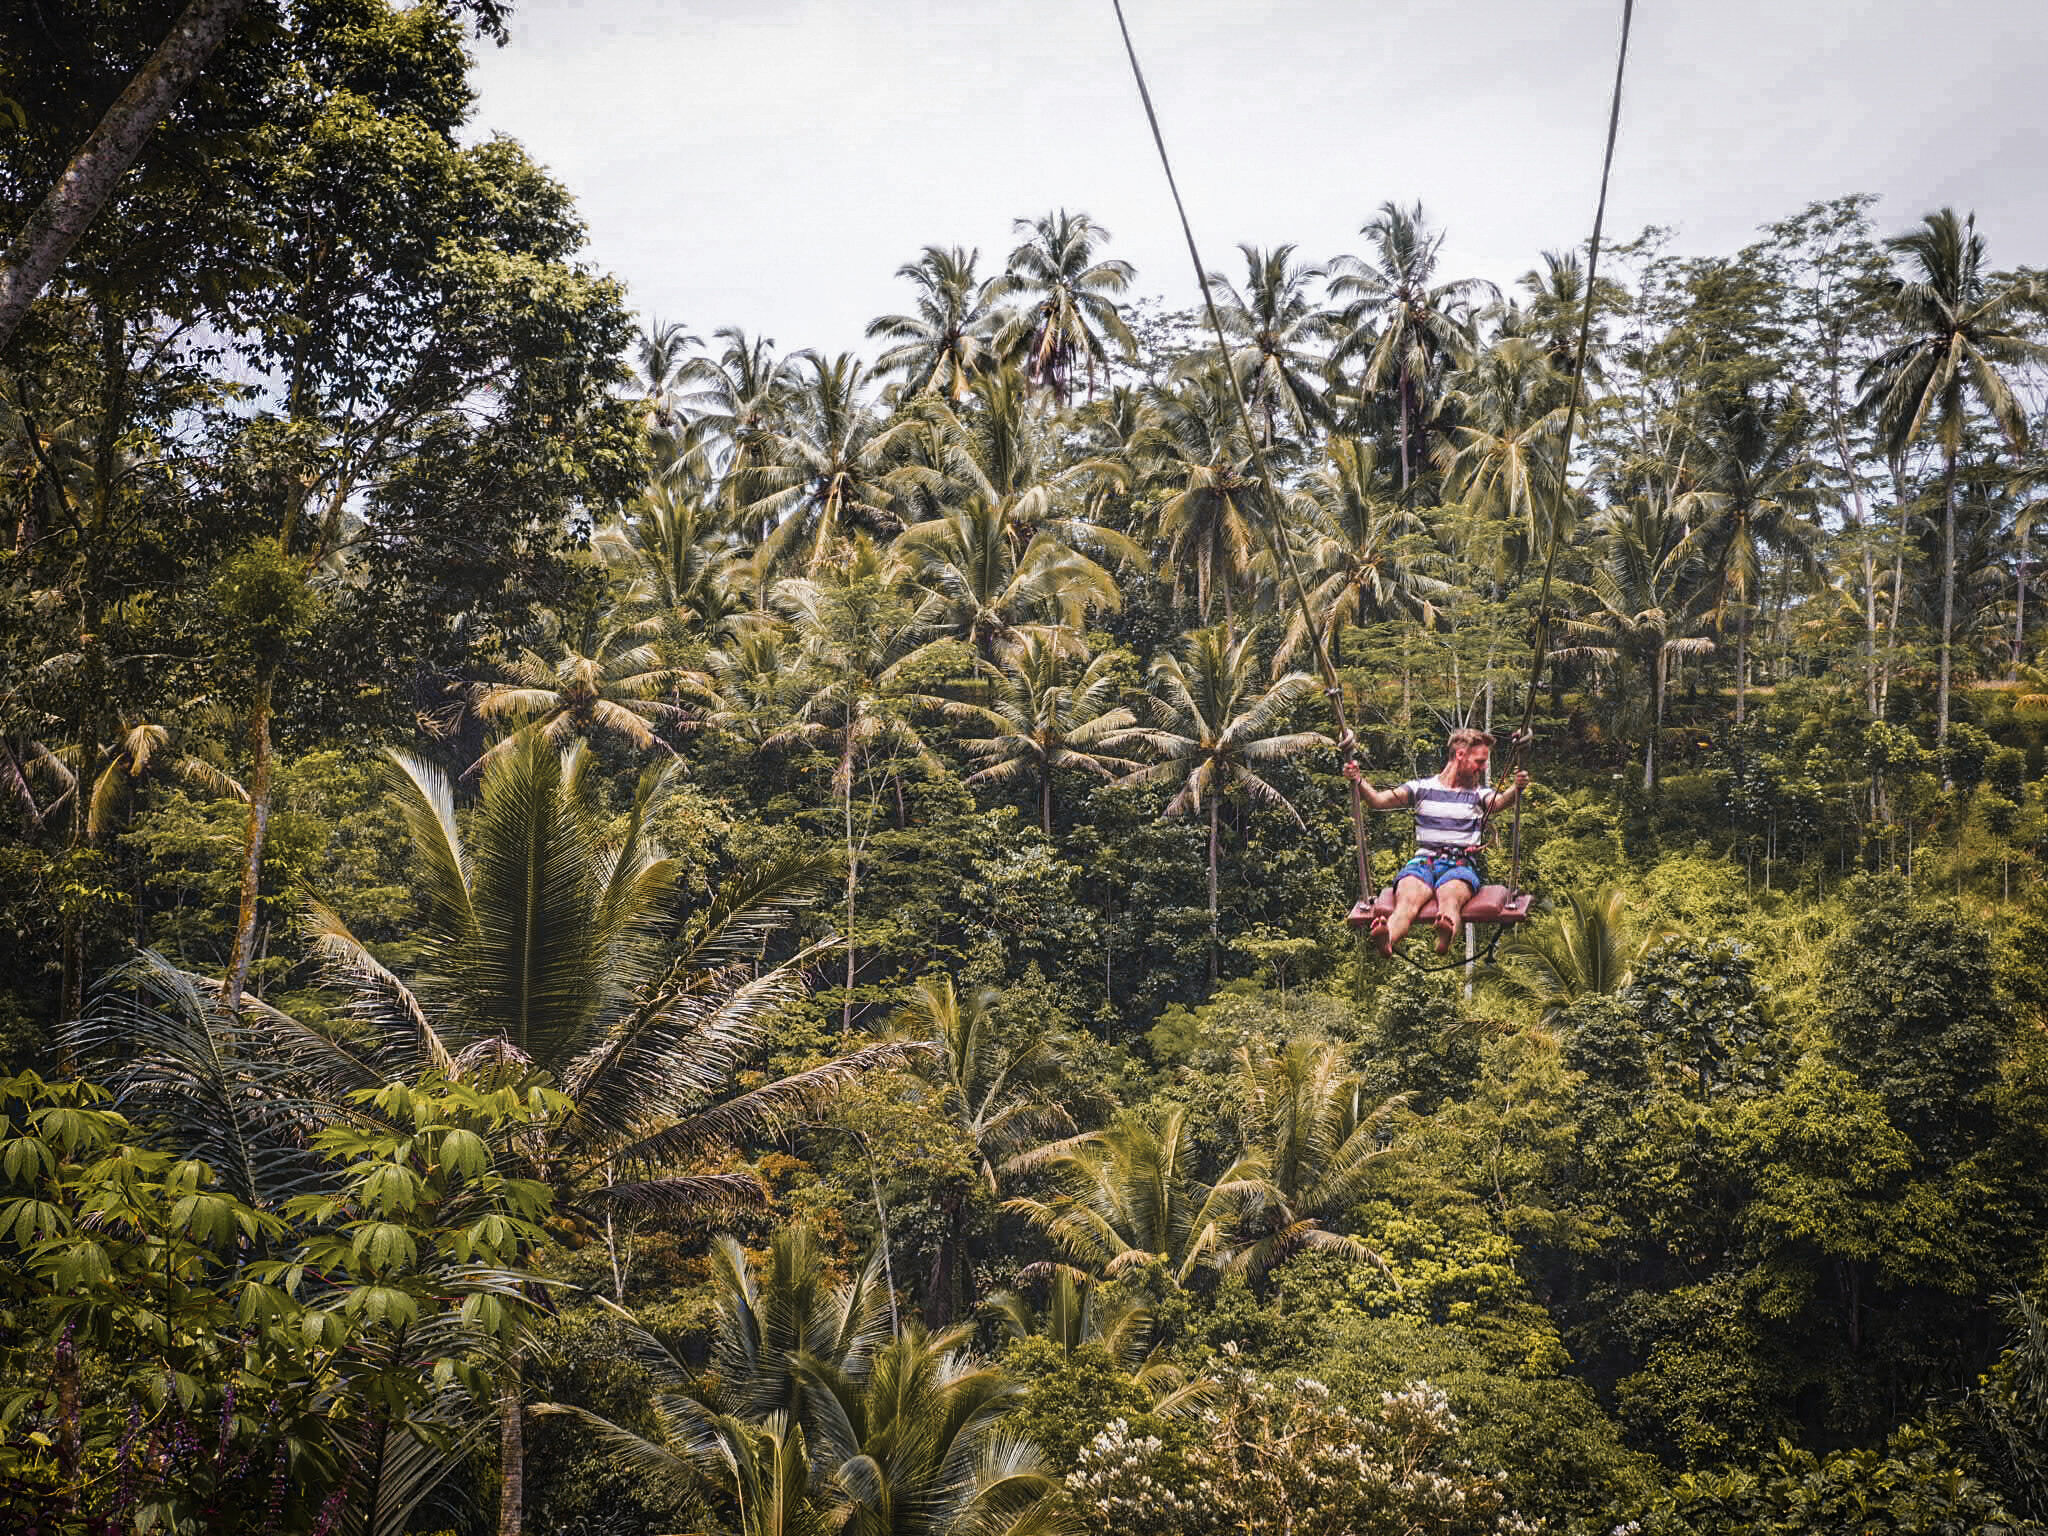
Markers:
(377, 997)
(206, 1078)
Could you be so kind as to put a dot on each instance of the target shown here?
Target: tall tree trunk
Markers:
(70, 1419)
(511, 1452)
(2019, 622)
(34, 255)
(1948, 598)
(71, 978)
(256, 828)
(852, 874)
(882, 1227)
(1045, 800)
(939, 1284)
(1891, 639)
(1656, 720)
(1741, 663)
(89, 716)
(1215, 933)
(1404, 438)
(612, 1245)
(1848, 464)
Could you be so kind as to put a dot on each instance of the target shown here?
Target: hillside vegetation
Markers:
(615, 929)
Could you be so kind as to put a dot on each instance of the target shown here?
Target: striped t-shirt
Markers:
(1447, 817)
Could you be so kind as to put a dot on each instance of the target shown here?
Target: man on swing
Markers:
(1450, 830)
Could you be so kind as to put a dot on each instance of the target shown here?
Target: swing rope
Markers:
(1274, 530)
(1456, 961)
(1540, 642)
(1271, 526)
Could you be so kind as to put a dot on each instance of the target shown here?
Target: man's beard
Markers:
(1467, 778)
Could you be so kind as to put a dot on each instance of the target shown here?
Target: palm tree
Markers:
(1557, 308)
(1960, 326)
(1362, 553)
(1502, 456)
(1280, 331)
(991, 1090)
(990, 593)
(1078, 1311)
(1641, 607)
(1082, 1313)
(544, 940)
(1126, 1196)
(915, 1446)
(1066, 318)
(1041, 718)
(1758, 486)
(860, 642)
(1001, 452)
(1194, 446)
(1215, 730)
(1318, 1133)
(543, 950)
(1114, 427)
(739, 1417)
(1407, 325)
(896, 1436)
(1588, 947)
(662, 355)
(945, 345)
(604, 676)
(766, 1326)
(757, 681)
(1005, 545)
(766, 1464)
(142, 750)
(993, 1094)
(681, 558)
(828, 472)
(740, 398)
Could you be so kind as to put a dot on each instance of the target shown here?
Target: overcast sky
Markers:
(770, 164)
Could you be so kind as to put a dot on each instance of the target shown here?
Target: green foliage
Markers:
(1697, 1007)
(1071, 1396)
(1915, 1486)
(1411, 1040)
(821, 1415)
(2006, 1420)
(1917, 1014)
(175, 1352)
(326, 440)
(261, 603)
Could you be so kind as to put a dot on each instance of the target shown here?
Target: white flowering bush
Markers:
(1285, 1457)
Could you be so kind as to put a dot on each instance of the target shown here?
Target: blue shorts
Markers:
(1433, 869)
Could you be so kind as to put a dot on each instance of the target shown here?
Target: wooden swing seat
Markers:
(1491, 904)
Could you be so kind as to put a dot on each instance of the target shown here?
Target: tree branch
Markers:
(88, 182)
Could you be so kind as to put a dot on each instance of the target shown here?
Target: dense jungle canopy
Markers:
(615, 928)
